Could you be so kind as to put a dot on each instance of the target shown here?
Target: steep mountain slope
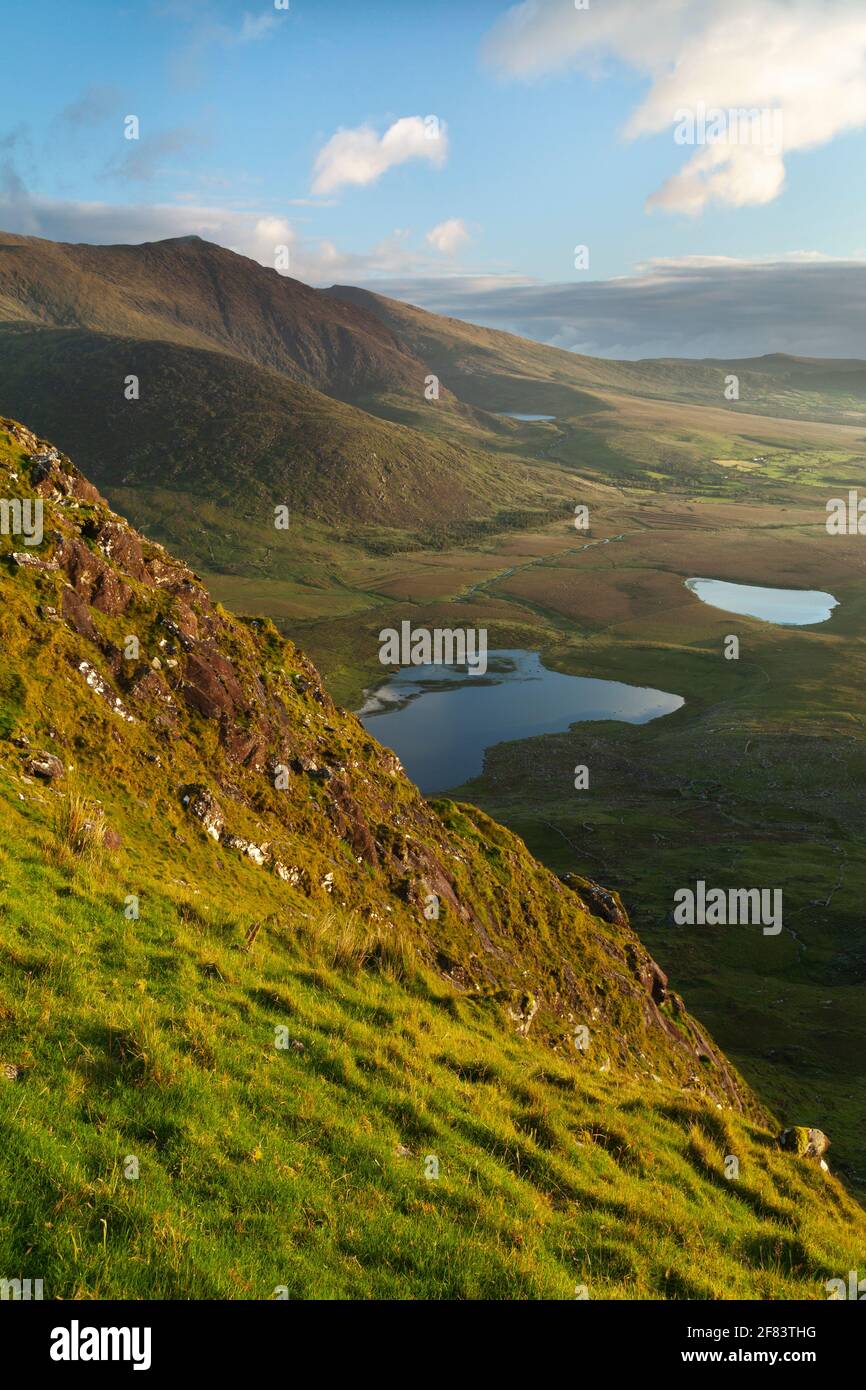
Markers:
(251, 438)
(244, 383)
(191, 292)
(361, 346)
(251, 983)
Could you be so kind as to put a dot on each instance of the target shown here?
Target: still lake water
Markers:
(517, 415)
(787, 607)
(439, 720)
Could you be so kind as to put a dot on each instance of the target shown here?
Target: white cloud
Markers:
(448, 236)
(804, 61)
(360, 156)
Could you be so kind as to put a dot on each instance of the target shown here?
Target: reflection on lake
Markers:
(439, 720)
(787, 607)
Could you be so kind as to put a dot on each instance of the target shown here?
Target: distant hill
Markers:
(218, 426)
(192, 293)
(495, 370)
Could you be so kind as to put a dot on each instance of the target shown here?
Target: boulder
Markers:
(24, 560)
(258, 853)
(804, 1142)
(45, 765)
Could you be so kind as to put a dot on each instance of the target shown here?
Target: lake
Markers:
(439, 720)
(786, 607)
(516, 415)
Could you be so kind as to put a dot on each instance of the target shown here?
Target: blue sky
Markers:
(557, 130)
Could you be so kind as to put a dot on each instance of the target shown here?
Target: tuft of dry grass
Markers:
(347, 943)
(79, 830)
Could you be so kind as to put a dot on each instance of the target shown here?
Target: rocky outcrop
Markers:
(601, 902)
(204, 807)
(94, 581)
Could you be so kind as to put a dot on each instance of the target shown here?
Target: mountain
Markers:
(270, 1020)
(252, 437)
(195, 294)
(381, 421)
(494, 370)
(248, 385)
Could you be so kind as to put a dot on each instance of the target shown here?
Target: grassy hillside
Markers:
(152, 947)
(758, 779)
(246, 439)
(494, 370)
(192, 293)
(444, 512)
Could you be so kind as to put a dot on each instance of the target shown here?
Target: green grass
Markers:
(304, 1168)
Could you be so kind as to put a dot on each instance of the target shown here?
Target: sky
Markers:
(576, 170)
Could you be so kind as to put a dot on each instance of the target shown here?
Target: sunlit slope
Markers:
(217, 958)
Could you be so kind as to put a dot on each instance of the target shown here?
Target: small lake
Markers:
(439, 719)
(516, 415)
(786, 607)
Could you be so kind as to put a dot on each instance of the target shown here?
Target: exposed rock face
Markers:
(601, 902)
(92, 578)
(101, 687)
(349, 822)
(52, 476)
(204, 807)
(210, 684)
(654, 980)
(120, 545)
(77, 613)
